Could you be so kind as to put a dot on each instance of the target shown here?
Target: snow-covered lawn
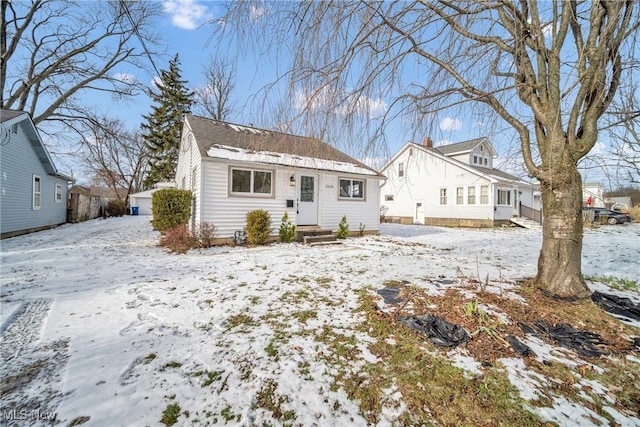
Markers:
(102, 326)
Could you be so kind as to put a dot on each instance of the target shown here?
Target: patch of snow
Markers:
(118, 328)
(283, 159)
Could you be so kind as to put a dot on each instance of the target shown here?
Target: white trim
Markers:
(58, 192)
(36, 194)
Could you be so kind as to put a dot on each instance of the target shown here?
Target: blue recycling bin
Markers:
(134, 210)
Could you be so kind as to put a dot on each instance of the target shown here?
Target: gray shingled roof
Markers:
(6, 115)
(497, 173)
(209, 132)
(460, 146)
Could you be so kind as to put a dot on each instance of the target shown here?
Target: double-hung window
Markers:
(351, 189)
(504, 197)
(484, 195)
(459, 196)
(443, 196)
(401, 170)
(37, 188)
(471, 195)
(58, 195)
(250, 182)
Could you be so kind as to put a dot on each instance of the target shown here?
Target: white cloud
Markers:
(449, 123)
(257, 13)
(125, 77)
(186, 14)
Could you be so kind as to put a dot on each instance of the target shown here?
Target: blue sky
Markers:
(186, 29)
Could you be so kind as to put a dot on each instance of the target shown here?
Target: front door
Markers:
(418, 213)
(307, 200)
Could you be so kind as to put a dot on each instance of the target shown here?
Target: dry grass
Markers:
(436, 392)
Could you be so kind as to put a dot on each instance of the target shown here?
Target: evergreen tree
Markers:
(163, 126)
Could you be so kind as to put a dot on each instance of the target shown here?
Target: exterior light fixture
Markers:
(292, 181)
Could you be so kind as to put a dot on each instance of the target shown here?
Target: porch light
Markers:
(292, 181)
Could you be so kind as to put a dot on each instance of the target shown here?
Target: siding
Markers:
(228, 213)
(18, 163)
(188, 161)
(332, 208)
(425, 174)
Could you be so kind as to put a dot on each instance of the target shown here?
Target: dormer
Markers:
(476, 152)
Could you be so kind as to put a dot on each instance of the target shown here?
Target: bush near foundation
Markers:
(171, 207)
(258, 227)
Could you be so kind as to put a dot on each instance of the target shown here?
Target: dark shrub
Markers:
(170, 207)
(116, 207)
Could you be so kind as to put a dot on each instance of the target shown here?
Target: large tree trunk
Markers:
(560, 261)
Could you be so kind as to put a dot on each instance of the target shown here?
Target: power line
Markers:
(125, 7)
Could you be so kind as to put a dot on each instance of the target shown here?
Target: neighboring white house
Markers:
(453, 185)
(593, 194)
(33, 193)
(234, 169)
(142, 200)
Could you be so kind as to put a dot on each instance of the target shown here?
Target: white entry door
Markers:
(418, 213)
(307, 200)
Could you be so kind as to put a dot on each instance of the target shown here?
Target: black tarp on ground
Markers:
(521, 348)
(617, 305)
(585, 343)
(390, 294)
(439, 331)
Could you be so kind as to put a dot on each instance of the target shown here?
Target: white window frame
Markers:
(401, 169)
(471, 195)
(459, 195)
(194, 177)
(36, 198)
(251, 192)
(57, 197)
(502, 193)
(443, 197)
(484, 194)
(350, 196)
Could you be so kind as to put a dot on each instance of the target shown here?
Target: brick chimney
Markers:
(427, 142)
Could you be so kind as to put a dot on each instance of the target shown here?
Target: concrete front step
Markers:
(303, 231)
(324, 238)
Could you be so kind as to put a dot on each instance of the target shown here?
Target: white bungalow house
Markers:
(33, 194)
(234, 169)
(453, 185)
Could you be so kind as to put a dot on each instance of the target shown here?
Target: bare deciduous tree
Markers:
(548, 69)
(54, 53)
(115, 156)
(624, 131)
(213, 99)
